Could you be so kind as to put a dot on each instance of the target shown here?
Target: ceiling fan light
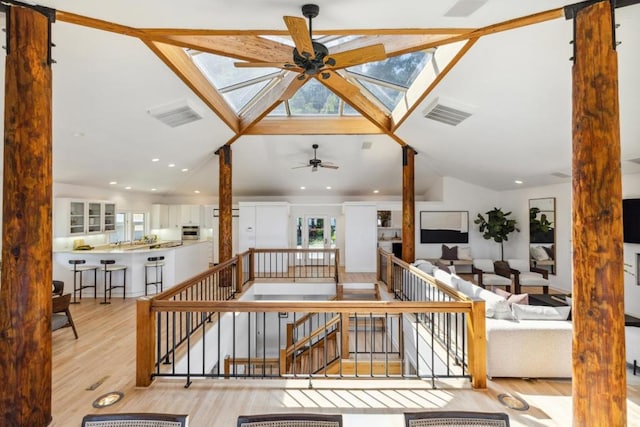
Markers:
(331, 62)
(325, 76)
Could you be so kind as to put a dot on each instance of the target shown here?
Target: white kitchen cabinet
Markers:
(174, 215)
(190, 214)
(396, 219)
(159, 216)
(78, 217)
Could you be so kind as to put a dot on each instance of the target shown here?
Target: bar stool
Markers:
(156, 263)
(109, 266)
(78, 269)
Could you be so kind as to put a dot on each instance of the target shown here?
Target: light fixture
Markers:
(128, 187)
(108, 399)
(172, 165)
(153, 189)
(513, 402)
(78, 134)
(113, 182)
(376, 191)
(303, 188)
(155, 160)
(517, 181)
(185, 169)
(196, 191)
(328, 187)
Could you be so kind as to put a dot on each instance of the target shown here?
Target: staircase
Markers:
(358, 291)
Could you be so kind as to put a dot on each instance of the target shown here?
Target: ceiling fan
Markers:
(311, 58)
(316, 162)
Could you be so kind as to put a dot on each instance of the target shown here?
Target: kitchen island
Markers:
(182, 261)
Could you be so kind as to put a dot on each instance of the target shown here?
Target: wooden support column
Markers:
(25, 293)
(225, 235)
(408, 205)
(599, 371)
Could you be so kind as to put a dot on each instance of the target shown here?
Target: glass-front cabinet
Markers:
(78, 217)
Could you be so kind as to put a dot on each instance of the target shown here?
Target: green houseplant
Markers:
(497, 226)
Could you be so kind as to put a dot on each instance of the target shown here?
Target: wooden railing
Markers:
(175, 325)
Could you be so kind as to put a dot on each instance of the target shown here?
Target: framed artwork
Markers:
(444, 226)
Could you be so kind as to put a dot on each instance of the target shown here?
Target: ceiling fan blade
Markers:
(326, 165)
(300, 167)
(359, 56)
(283, 65)
(300, 35)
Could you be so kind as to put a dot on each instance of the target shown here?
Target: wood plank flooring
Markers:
(103, 360)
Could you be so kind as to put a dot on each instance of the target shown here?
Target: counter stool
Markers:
(78, 286)
(156, 263)
(109, 266)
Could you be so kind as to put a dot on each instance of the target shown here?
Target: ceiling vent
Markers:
(446, 111)
(561, 175)
(176, 113)
(366, 145)
(463, 8)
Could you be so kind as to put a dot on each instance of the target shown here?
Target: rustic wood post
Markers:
(145, 339)
(390, 284)
(408, 205)
(25, 293)
(239, 274)
(477, 343)
(599, 370)
(225, 235)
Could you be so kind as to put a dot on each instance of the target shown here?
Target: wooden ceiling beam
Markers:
(180, 63)
(314, 126)
(352, 95)
(394, 45)
(157, 32)
(284, 89)
(246, 47)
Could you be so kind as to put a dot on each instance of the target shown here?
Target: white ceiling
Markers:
(517, 82)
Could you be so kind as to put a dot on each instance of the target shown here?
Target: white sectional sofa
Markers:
(518, 345)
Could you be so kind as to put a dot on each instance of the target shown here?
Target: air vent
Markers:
(561, 175)
(464, 8)
(175, 114)
(366, 145)
(446, 111)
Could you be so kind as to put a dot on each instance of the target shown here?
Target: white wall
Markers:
(461, 196)
(361, 236)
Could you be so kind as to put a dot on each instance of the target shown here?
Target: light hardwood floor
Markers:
(103, 360)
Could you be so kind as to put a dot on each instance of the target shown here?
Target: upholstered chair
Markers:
(290, 420)
(486, 274)
(527, 276)
(61, 317)
(456, 419)
(135, 419)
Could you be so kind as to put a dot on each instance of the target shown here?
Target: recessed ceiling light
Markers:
(328, 187)
(127, 188)
(155, 160)
(376, 191)
(196, 191)
(78, 134)
(153, 189)
(113, 182)
(172, 165)
(303, 188)
(517, 181)
(185, 169)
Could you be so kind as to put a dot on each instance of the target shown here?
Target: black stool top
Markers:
(155, 258)
(107, 261)
(77, 261)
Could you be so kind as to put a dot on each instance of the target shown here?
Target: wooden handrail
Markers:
(312, 335)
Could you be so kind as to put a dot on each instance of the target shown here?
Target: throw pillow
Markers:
(424, 265)
(449, 253)
(464, 253)
(549, 251)
(513, 298)
(504, 294)
(442, 266)
(540, 254)
(540, 312)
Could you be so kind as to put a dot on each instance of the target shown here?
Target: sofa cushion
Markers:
(449, 253)
(444, 276)
(486, 265)
(538, 253)
(424, 265)
(540, 312)
(464, 253)
(494, 305)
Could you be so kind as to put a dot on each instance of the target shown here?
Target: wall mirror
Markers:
(542, 233)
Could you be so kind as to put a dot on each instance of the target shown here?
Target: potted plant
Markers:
(497, 226)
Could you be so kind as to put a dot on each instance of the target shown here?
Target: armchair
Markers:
(456, 418)
(58, 287)
(61, 316)
(525, 275)
(135, 419)
(488, 276)
(290, 420)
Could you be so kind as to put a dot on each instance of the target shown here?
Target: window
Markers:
(130, 226)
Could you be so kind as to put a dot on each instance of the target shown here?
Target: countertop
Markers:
(134, 248)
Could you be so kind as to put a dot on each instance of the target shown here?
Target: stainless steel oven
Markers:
(190, 232)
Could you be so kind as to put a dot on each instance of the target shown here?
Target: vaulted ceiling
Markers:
(506, 64)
